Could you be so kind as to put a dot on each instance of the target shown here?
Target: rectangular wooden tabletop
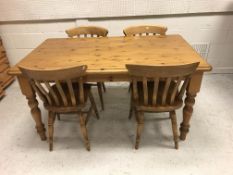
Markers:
(109, 55)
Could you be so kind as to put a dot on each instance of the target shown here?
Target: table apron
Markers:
(107, 77)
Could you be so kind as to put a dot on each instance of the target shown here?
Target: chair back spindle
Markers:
(155, 91)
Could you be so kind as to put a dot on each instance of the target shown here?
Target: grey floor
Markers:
(208, 148)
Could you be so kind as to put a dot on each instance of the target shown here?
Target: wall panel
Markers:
(13, 10)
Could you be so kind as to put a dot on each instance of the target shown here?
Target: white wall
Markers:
(12, 10)
(20, 38)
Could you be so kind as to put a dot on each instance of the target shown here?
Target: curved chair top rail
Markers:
(53, 75)
(162, 71)
(145, 29)
(87, 30)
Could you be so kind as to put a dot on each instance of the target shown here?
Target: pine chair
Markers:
(158, 89)
(63, 91)
(145, 30)
(90, 31)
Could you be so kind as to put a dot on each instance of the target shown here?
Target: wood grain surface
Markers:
(110, 55)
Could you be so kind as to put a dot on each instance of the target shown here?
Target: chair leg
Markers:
(104, 87)
(88, 114)
(51, 120)
(92, 100)
(129, 88)
(82, 121)
(131, 109)
(58, 117)
(140, 125)
(100, 94)
(174, 128)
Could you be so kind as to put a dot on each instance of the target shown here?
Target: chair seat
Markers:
(139, 105)
(69, 108)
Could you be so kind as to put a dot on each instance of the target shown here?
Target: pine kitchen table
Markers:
(106, 58)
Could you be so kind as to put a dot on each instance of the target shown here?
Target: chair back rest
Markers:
(50, 85)
(145, 30)
(87, 31)
(174, 79)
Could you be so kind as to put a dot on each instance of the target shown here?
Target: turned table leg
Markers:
(28, 91)
(187, 114)
(192, 89)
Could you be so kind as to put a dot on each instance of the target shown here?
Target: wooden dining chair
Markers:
(158, 89)
(63, 91)
(145, 30)
(90, 31)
